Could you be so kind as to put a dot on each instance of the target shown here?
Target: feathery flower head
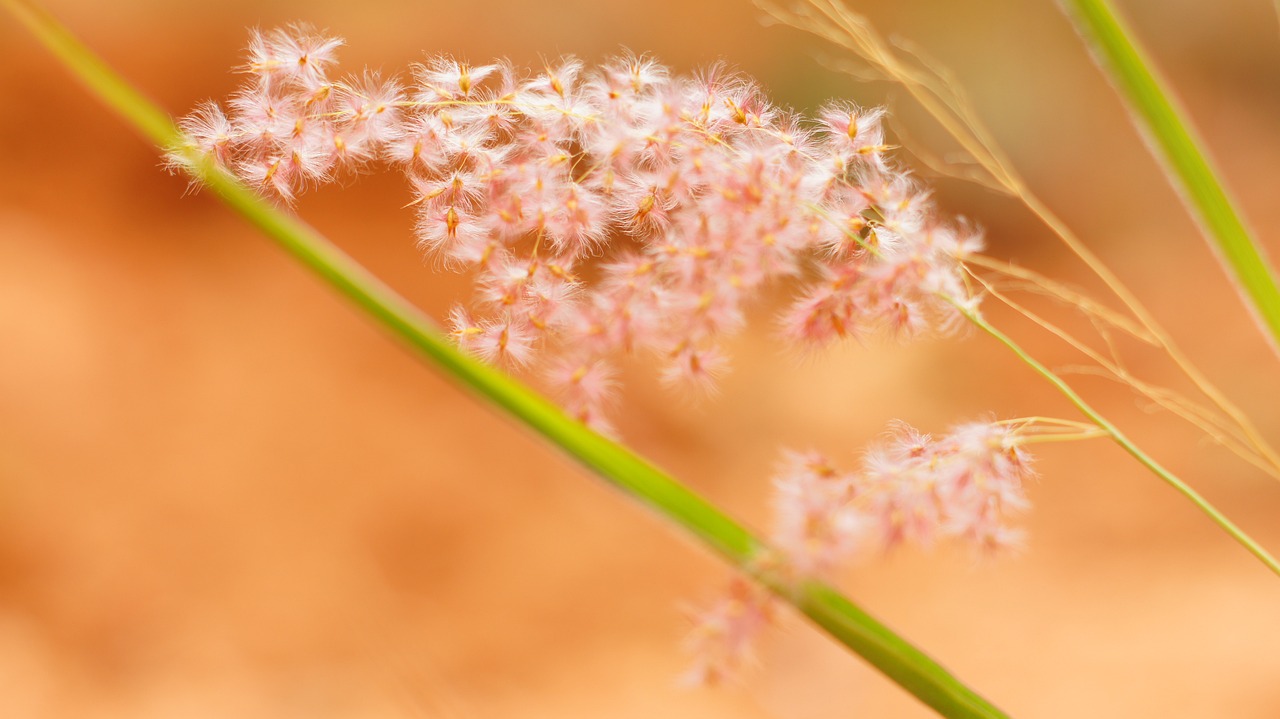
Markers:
(293, 55)
(911, 488)
(608, 210)
(964, 484)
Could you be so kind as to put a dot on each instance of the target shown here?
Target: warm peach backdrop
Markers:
(223, 493)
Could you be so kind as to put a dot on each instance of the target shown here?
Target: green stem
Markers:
(825, 606)
(1158, 116)
(1121, 439)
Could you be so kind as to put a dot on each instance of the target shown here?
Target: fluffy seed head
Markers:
(678, 198)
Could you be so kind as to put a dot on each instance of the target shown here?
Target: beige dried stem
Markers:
(1213, 423)
(936, 90)
(1206, 420)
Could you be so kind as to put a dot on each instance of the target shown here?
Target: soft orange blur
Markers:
(223, 492)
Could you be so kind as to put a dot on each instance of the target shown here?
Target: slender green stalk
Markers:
(825, 606)
(1121, 439)
(1159, 117)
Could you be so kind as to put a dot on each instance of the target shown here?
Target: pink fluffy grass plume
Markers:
(609, 210)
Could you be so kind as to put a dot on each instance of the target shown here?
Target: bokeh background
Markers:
(224, 493)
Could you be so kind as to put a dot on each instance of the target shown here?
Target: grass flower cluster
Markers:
(608, 210)
(911, 488)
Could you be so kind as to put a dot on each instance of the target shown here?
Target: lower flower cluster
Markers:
(911, 488)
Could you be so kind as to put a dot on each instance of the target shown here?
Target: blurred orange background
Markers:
(223, 492)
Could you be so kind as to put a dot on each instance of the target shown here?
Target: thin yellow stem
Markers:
(1061, 291)
(1094, 433)
(1043, 421)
